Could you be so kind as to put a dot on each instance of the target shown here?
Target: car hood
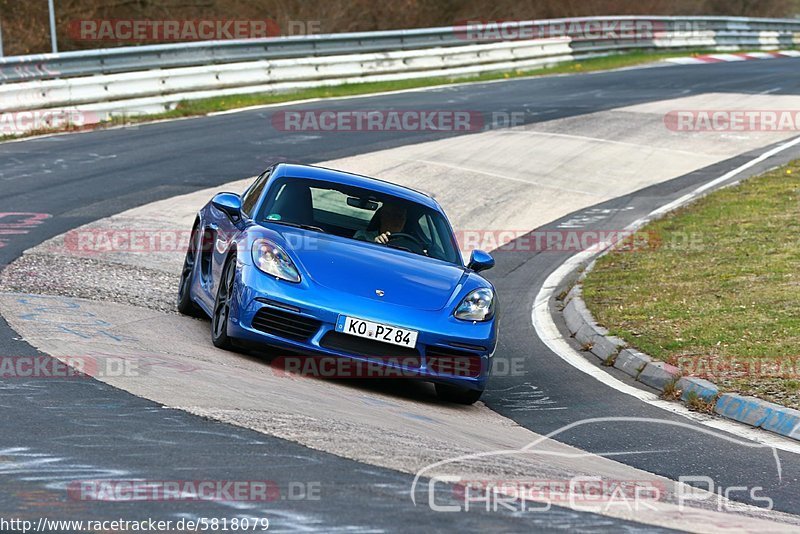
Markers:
(364, 269)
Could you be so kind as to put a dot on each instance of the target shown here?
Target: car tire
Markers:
(186, 305)
(458, 395)
(222, 306)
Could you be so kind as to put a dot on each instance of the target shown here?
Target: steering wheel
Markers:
(400, 235)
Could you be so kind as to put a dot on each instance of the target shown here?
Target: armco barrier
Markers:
(731, 31)
(154, 78)
(114, 87)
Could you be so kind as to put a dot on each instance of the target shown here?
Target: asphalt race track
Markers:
(61, 430)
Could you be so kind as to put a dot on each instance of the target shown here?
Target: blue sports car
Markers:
(328, 264)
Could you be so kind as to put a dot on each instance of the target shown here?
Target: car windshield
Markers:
(362, 214)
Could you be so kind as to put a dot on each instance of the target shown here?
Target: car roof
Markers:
(356, 180)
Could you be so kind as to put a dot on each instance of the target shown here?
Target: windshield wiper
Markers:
(297, 225)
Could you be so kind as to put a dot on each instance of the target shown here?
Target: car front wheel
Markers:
(222, 306)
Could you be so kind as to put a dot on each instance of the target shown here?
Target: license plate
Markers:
(377, 331)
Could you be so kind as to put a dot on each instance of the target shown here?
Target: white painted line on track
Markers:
(549, 333)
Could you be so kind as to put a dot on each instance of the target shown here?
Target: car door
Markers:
(225, 231)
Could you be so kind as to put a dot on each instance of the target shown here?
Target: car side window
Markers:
(252, 195)
(424, 225)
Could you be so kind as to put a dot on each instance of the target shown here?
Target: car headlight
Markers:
(477, 306)
(273, 260)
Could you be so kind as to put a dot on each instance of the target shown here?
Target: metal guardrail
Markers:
(161, 87)
(136, 58)
(129, 59)
(98, 84)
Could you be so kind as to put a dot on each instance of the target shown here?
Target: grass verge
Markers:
(190, 108)
(719, 296)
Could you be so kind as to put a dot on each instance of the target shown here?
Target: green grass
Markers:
(190, 108)
(720, 294)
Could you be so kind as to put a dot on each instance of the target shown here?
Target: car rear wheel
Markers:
(222, 306)
(185, 304)
(457, 394)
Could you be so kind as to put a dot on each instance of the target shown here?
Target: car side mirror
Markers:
(480, 261)
(230, 203)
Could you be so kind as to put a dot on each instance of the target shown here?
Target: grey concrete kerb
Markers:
(665, 378)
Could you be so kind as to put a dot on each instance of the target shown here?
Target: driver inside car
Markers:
(392, 218)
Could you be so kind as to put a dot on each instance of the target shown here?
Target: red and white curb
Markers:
(722, 58)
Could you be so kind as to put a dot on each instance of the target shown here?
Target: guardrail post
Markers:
(53, 42)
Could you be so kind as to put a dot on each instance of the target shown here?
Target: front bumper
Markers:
(302, 318)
